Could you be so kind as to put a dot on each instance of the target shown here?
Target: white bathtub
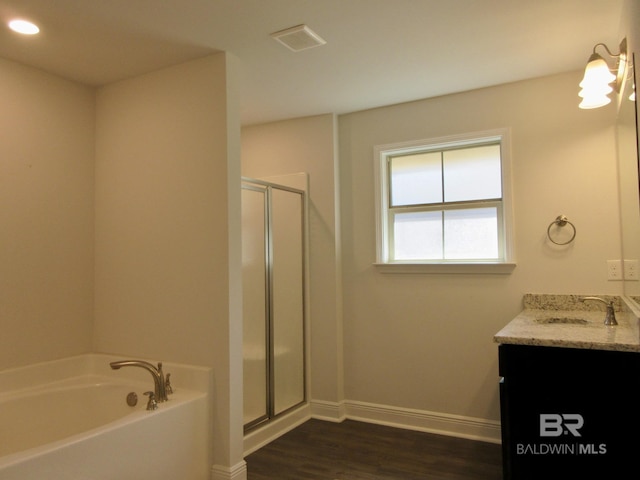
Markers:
(69, 420)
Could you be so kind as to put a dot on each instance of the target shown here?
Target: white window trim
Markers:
(381, 152)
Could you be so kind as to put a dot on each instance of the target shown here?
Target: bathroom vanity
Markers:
(568, 388)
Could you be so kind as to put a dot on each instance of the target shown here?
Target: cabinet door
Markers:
(568, 412)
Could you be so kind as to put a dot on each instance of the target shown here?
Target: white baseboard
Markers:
(425, 421)
(237, 472)
(276, 428)
(328, 411)
(399, 417)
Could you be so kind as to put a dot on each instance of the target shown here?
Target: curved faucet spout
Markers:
(610, 317)
(156, 373)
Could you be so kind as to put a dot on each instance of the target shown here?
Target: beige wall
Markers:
(131, 194)
(425, 341)
(46, 216)
(308, 145)
(167, 228)
(161, 245)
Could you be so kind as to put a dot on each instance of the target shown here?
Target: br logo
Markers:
(555, 424)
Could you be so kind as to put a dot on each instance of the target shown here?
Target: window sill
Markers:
(447, 268)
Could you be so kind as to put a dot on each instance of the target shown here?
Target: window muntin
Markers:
(444, 202)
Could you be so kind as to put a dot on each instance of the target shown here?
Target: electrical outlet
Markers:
(614, 269)
(631, 270)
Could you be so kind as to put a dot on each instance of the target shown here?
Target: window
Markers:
(444, 201)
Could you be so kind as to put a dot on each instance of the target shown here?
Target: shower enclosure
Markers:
(273, 273)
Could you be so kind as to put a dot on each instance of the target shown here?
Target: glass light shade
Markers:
(593, 99)
(597, 90)
(596, 73)
(595, 83)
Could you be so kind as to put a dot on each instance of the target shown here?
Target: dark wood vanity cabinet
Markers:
(569, 412)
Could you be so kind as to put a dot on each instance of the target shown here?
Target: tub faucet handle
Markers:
(152, 404)
(160, 392)
(167, 384)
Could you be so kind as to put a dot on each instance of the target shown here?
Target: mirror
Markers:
(628, 160)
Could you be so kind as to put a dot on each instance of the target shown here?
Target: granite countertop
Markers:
(589, 331)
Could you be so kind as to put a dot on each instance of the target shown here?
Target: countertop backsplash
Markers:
(542, 301)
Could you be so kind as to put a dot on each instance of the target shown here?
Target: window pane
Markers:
(472, 173)
(417, 236)
(416, 179)
(471, 234)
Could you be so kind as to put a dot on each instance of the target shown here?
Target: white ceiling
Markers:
(378, 52)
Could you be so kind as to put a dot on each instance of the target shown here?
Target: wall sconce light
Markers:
(599, 80)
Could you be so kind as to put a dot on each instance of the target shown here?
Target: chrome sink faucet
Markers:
(159, 381)
(610, 317)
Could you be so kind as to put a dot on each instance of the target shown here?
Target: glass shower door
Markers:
(273, 300)
(287, 295)
(255, 306)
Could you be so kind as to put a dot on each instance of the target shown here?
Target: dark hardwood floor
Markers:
(351, 450)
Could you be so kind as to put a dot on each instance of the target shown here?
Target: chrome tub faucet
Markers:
(159, 380)
(610, 317)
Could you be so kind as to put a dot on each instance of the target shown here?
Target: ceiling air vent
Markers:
(298, 38)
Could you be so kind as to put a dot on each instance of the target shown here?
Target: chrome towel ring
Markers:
(561, 221)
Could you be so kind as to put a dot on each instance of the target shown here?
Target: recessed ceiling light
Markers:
(24, 27)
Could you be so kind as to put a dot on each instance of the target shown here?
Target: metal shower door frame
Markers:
(267, 188)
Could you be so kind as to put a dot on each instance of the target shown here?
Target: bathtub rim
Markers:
(192, 377)
(180, 399)
(190, 382)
